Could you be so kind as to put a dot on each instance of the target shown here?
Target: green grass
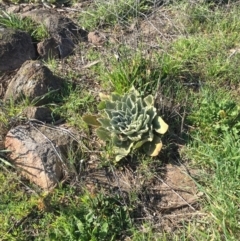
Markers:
(215, 148)
(54, 2)
(74, 105)
(109, 13)
(133, 70)
(198, 72)
(38, 32)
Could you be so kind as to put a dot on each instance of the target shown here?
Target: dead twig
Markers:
(185, 201)
(53, 146)
(184, 214)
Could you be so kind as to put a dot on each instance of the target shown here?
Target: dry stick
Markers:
(1, 89)
(18, 179)
(184, 115)
(184, 214)
(40, 123)
(176, 193)
(54, 148)
(180, 205)
(120, 189)
(20, 222)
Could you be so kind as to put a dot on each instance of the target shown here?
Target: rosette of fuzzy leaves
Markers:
(131, 122)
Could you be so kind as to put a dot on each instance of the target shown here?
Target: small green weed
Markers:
(106, 216)
(11, 112)
(14, 206)
(51, 63)
(215, 146)
(99, 217)
(14, 21)
(200, 58)
(215, 115)
(209, 18)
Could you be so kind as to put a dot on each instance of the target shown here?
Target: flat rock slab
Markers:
(39, 153)
(33, 80)
(15, 48)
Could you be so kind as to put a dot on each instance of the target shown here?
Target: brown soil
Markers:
(169, 198)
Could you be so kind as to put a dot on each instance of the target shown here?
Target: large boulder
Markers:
(33, 80)
(15, 48)
(39, 152)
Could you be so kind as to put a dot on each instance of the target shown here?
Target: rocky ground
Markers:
(39, 141)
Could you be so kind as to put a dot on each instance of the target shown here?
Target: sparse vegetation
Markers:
(38, 32)
(109, 13)
(191, 70)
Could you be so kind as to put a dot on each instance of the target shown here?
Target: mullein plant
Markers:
(129, 122)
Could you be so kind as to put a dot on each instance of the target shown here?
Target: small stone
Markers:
(96, 38)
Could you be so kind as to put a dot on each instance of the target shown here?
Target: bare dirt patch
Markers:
(168, 198)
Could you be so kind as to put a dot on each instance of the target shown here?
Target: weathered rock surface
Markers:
(63, 30)
(33, 80)
(15, 48)
(40, 113)
(48, 48)
(39, 153)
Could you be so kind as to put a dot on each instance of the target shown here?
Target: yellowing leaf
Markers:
(91, 120)
(160, 125)
(103, 96)
(119, 158)
(153, 148)
(149, 100)
(157, 149)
